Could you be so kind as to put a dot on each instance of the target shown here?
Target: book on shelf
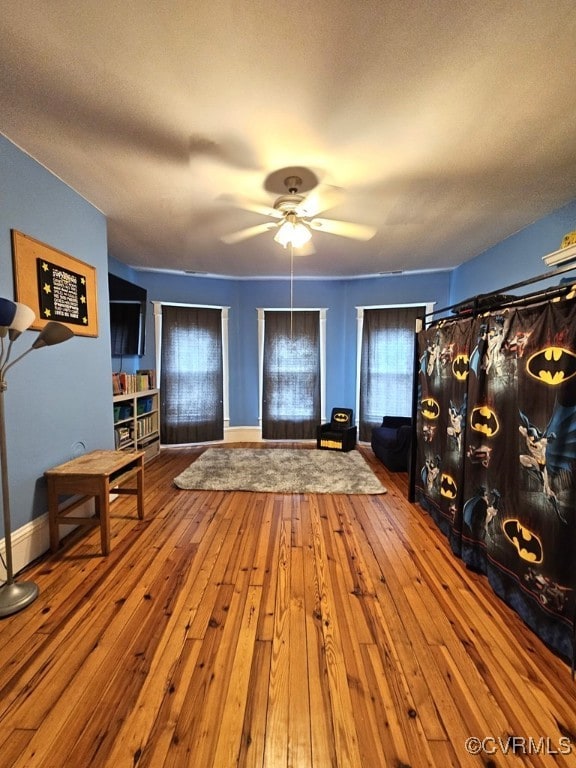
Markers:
(122, 437)
(149, 375)
(146, 426)
(132, 383)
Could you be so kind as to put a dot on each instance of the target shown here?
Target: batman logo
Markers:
(460, 367)
(341, 418)
(552, 365)
(448, 487)
(430, 408)
(526, 543)
(483, 419)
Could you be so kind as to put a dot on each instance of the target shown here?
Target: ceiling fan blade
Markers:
(321, 198)
(343, 228)
(250, 205)
(244, 234)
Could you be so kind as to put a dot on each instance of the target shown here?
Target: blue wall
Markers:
(58, 401)
(517, 258)
(244, 297)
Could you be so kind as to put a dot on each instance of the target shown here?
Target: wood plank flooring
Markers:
(274, 631)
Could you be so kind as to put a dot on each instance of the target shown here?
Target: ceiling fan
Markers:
(295, 215)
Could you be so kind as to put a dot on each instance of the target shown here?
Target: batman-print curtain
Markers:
(443, 353)
(513, 515)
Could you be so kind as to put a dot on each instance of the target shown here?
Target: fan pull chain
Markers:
(291, 286)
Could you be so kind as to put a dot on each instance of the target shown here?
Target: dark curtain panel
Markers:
(191, 382)
(386, 365)
(291, 377)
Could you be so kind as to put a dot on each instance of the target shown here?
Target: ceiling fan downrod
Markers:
(293, 184)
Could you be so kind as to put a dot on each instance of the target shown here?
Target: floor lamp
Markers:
(15, 318)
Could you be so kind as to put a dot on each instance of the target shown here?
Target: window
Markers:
(386, 364)
(291, 374)
(191, 374)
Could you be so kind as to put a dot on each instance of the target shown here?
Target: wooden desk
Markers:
(96, 474)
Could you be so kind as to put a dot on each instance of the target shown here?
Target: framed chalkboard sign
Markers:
(55, 285)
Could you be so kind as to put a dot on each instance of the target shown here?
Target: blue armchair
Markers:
(391, 442)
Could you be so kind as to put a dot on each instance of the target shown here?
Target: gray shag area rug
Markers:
(280, 470)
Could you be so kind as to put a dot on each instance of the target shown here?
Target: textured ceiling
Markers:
(448, 125)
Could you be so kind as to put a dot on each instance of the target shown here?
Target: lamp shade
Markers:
(293, 231)
(301, 235)
(7, 312)
(23, 318)
(52, 333)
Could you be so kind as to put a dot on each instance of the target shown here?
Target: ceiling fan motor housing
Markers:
(288, 203)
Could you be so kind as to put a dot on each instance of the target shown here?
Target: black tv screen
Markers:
(125, 328)
(127, 317)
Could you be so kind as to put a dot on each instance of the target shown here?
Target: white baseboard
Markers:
(242, 435)
(252, 435)
(33, 539)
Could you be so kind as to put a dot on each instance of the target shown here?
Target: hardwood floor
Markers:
(274, 630)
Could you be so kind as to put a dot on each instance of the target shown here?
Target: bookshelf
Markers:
(136, 413)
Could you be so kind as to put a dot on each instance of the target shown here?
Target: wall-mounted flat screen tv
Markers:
(127, 317)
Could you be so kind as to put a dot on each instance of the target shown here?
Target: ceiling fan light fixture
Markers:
(293, 232)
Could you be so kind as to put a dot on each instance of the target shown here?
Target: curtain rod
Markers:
(529, 281)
